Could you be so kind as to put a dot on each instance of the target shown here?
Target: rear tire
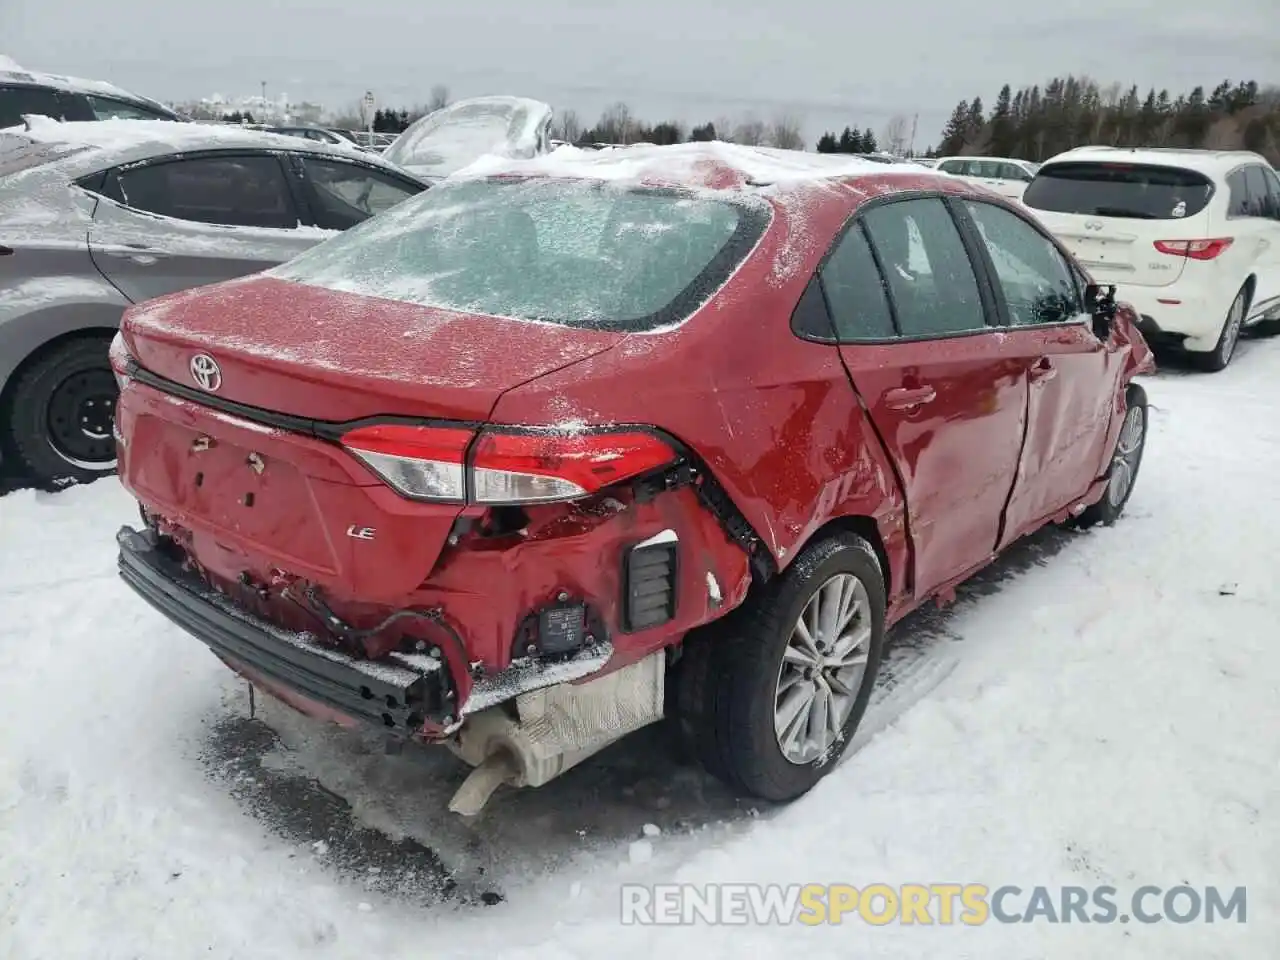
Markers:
(61, 412)
(1126, 458)
(747, 707)
(1220, 356)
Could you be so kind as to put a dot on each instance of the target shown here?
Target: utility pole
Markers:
(911, 150)
(264, 101)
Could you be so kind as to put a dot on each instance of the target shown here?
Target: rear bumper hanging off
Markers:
(386, 695)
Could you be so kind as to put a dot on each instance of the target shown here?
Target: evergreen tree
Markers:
(955, 135)
(827, 143)
(1002, 123)
(869, 144)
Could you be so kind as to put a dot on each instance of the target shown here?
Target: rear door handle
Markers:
(135, 252)
(904, 398)
(1043, 372)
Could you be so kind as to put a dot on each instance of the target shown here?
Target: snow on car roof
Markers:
(701, 164)
(12, 72)
(152, 137)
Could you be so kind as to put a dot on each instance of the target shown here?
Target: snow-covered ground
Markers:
(1103, 708)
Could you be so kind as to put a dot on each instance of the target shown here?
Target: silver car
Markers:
(96, 216)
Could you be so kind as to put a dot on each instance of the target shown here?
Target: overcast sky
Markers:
(828, 63)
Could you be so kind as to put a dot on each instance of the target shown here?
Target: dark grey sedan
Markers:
(96, 216)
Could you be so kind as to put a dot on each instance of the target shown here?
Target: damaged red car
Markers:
(543, 456)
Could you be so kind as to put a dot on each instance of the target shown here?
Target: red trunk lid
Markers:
(258, 498)
(329, 355)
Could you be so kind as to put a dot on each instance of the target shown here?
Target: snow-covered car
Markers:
(449, 139)
(330, 135)
(26, 92)
(96, 216)
(659, 432)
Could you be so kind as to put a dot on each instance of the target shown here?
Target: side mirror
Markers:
(1100, 301)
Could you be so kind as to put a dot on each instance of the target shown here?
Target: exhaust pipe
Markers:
(554, 729)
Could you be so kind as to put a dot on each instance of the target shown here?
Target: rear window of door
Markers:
(344, 194)
(1128, 190)
(243, 190)
(16, 102)
(856, 292)
(1037, 282)
(931, 279)
(1259, 203)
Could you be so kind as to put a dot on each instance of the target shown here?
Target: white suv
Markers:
(1191, 238)
(1005, 176)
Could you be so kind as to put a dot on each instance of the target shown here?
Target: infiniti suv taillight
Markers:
(1194, 249)
(504, 465)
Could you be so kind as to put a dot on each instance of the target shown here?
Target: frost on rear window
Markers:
(1133, 191)
(578, 253)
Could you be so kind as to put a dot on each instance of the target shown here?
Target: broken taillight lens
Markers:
(422, 462)
(506, 466)
(1194, 249)
(541, 467)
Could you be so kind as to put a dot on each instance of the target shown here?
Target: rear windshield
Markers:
(581, 254)
(1136, 191)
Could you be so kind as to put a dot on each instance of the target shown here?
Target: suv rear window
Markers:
(1137, 191)
(576, 253)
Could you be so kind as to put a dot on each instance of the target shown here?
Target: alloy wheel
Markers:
(1124, 463)
(822, 669)
(1231, 335)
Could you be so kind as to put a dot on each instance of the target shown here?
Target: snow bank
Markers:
(1109, 717)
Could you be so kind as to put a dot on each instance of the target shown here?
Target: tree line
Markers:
(1031, 123)
(1036, 122)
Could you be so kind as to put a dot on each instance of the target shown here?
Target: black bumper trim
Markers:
(391, 697)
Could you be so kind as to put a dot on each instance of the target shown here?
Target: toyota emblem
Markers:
(1093, 224)
(206, 372)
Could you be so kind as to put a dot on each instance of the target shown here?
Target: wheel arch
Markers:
(868, 529)
(9, 375)
(29, 336)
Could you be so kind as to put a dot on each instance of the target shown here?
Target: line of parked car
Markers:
(521, 458)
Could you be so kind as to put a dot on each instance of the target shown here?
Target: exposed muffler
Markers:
(554, 729)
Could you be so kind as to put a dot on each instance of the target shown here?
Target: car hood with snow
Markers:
(449, 139)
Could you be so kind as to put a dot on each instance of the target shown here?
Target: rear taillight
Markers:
(505, 466)
(528, 467)
(425, 463)
(1194, 249)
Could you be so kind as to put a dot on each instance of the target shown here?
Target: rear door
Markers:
(1072, 375)
(1262, 221)
(945, 396)
(176, 223)
(1111, 215)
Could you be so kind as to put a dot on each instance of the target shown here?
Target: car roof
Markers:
(111, 142)
(1219, 162)
(23, 77)
(789, 176)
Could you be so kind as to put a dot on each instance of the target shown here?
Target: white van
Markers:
(1191, 238)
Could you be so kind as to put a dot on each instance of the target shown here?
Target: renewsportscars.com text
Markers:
(965, 904)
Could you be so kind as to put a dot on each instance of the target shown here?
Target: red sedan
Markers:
(539, 457)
